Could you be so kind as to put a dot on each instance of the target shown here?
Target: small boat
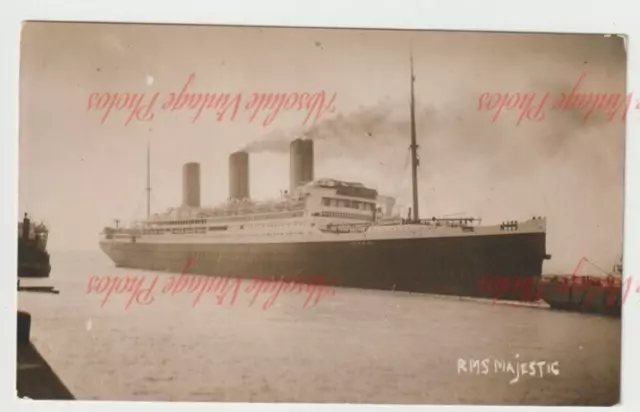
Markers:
(33, 258)
(587, 294)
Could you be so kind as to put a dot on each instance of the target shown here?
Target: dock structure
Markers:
(35, 377)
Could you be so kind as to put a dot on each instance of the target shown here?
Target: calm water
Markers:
(355, 346)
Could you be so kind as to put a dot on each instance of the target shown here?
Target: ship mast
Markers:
(414, 149)
(148, 179)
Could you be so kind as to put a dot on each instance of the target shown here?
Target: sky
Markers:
(79, 173)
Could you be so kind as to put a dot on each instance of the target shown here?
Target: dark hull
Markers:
(33, 262)
(447, 265)
(586, 296)
(33, 270)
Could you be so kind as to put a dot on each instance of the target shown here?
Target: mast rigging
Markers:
(414, 149)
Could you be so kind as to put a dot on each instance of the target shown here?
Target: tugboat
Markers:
(33, 258)
(588, 294)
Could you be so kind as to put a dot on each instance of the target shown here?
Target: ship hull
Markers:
(34, 270)
(33, 261)
(447, 265)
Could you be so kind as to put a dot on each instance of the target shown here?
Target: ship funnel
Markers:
(239, 176)
(301, 166)
(388, 203)
(191, 185)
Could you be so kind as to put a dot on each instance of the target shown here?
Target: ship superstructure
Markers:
(343, 231)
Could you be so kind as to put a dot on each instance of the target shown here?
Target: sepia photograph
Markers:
(320, 215)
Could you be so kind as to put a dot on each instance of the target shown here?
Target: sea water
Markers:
(350, 346)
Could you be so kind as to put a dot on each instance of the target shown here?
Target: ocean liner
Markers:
(340, 231)
(33, 258)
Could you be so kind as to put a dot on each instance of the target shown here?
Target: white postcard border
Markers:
(568, 16)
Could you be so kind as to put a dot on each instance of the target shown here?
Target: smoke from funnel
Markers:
(384, 121)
